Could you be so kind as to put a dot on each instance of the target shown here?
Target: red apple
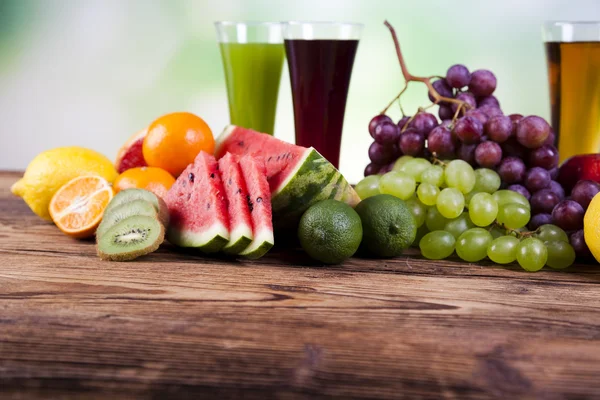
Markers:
(576, 168)
(130, 154)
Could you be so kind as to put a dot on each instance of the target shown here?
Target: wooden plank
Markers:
(181, 325)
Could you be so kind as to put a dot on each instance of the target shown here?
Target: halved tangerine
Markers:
(77, 207)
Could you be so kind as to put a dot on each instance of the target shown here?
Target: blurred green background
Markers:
(92, 72)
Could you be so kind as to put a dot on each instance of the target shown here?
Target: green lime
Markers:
(330, 231)
(388, 225)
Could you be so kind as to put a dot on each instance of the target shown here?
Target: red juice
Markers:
(320, 73)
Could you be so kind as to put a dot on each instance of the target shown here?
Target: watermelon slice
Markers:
(198, 207)
(259, 203)
(298, 176)
(240, 223)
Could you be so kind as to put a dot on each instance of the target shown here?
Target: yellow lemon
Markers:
(50, 170)
(591, 227)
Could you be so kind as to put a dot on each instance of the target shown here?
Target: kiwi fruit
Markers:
(129, 195)
(130, 238)
(135, 207)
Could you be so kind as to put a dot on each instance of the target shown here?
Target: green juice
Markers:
(253, 72)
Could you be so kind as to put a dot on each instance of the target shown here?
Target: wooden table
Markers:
(177, 325)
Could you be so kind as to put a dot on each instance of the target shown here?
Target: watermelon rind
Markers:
(210, 240)
(239, 239)
(262, 243)
(313, 179)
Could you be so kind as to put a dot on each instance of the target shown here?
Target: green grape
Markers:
(470, 195)
(483, 209)
(428, 193)
(503, 249)
(458, 225)
(560, 254)
(486, 180)
(415, 168)
(433, 175)
(368, 187)
(397, 184)
(417, 209)
(504, 197)
(472, 245)
(437, 245)
(549, 232)
(497, 231)
(513, 216)
(434, 220)
(421, 231)
(401, 161)
(460, 175)
(450, 203)
(532, 254)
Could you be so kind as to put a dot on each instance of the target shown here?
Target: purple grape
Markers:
(488, 101)
(537, 179)
(488, 154)
(490, 111)
(557, 188)
(382, 154)
(378, 119)
(512, 170)
(568, 214)
(403, 121)
(387, 168)
(551, 139)
(520, 189)
(467, 98)
(554, 173)
(446, 122)
(458, 76)
(442, 87)
(411, 143)
(372, 169)
(480, 115)
(498, 128)
(466, 152)
(515, 118)
(545, 157)
(445, 112)
(577, 240)
(440, 142)
(532, 131)
(584, 191)
(483, 83)
(423, 123)
(539, 220)
(469, 130)
(512, 148)
(543, 201)
(386, 132)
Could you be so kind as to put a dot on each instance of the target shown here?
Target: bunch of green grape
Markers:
(459, 209)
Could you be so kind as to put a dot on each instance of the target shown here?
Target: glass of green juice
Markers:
(252, 54)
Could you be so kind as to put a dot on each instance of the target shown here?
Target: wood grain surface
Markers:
(181, 325)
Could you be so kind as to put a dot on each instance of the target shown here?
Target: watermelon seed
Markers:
(189, 196)
(191, 177)
(239, 190)
(241, 143)
(229, 181)
(250, 205)
(258, 200)
(212, 175)
(208, 206)
(269, 159)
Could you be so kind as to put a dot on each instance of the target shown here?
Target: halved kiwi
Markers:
(129, 195)
(130, 238)
(125, 210)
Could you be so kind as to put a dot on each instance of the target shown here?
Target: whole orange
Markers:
(156, 180)
(174, 140)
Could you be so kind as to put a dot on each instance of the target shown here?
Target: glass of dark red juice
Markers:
(320, 57)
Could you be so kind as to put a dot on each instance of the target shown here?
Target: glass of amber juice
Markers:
(573, 56)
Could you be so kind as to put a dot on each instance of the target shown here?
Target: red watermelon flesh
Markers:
(240, 222)
(259, 203)
(198, 207)
(278, 155)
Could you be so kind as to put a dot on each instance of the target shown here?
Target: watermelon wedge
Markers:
(259, 202)
(198, 207)
(240, 222)
(298, 176)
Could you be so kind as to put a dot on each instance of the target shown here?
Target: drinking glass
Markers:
(573, 57)
(252, 54)
(320, 58)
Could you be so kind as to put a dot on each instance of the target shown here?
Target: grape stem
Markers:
(408, 77)
(517, 233)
